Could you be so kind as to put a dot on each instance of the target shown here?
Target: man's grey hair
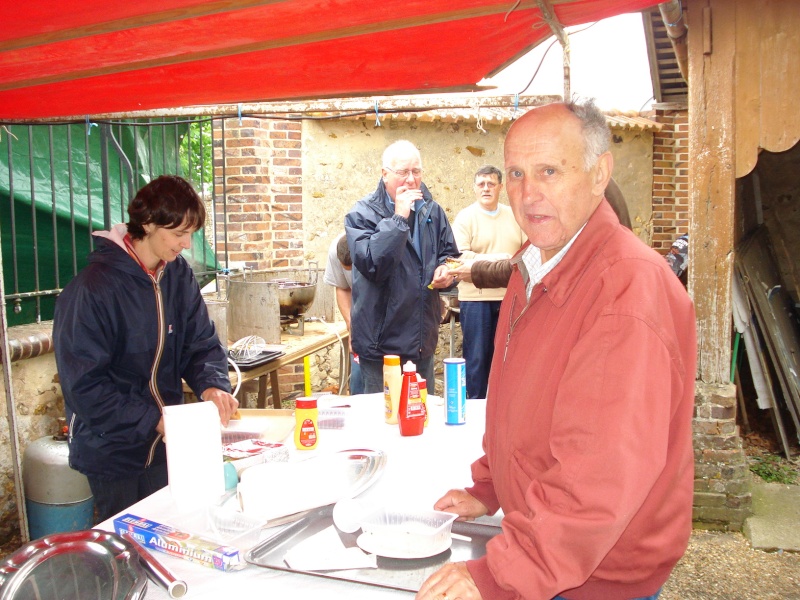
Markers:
(399, 148)
(596, 134)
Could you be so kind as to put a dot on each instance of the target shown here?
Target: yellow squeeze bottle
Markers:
(392, 381)
(306, 433)
(423, 393)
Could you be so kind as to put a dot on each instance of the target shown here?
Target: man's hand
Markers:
(442, 278)
(462, 271)
(225, 403)
(461, 503)
(452, 582)
(404, 200)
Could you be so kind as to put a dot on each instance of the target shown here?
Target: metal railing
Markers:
(61, 182)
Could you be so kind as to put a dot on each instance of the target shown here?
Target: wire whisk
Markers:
(248, 347)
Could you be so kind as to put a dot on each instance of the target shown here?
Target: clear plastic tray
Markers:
(400, 533)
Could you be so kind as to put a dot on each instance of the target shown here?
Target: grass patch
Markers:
(773, 469)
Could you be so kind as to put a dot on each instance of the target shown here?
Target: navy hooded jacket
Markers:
(113, 327)
(394, 311)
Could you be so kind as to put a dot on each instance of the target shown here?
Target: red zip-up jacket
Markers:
(588, 443)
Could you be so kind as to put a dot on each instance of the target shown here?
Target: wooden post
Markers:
(711, 180)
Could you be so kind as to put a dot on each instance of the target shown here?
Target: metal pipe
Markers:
(161, 575)
(672, 15)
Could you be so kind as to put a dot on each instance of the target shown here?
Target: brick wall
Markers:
(258, 170)
(670, 178)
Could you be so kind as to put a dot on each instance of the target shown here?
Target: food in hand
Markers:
(236, 415)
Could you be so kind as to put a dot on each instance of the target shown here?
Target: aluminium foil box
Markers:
(164, 538)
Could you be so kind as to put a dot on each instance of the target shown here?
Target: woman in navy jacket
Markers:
(127, 329)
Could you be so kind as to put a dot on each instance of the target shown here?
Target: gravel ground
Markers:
(723, 566)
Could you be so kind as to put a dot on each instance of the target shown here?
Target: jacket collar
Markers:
(561, 281)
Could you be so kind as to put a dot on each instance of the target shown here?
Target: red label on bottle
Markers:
(308, 433)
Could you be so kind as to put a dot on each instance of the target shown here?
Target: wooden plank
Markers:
(748, 95)
(711, 184)
(773, 309)
(780, 77)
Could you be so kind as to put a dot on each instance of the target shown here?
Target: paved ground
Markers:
(762, 563)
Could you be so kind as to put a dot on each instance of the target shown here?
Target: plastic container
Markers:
(455, 391)
(306, 430)
(411, 413)
(408, 533)
(392, 381)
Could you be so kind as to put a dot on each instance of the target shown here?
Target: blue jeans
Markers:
(653, 597)
(372, 371)
(356, 379)
(111, 497)
(478, 326)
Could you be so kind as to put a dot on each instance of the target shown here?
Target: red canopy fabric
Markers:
(116, 56)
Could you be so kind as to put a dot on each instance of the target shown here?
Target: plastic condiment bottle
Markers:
(305, 429)
(392, 379)
(423, 392)
(411, 413)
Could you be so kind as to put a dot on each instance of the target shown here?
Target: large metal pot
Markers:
(257, 300)
(294, 297)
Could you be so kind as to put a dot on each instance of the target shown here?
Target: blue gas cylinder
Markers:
(57, 498)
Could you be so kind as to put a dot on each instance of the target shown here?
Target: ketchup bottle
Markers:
(411, 413)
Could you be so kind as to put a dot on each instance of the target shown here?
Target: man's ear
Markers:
(602, 173)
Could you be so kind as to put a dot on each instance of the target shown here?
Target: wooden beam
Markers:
(712, 28)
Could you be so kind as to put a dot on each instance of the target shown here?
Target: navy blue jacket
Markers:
(112, 329)
(394, 311)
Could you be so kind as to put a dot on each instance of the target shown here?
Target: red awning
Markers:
(93, 57)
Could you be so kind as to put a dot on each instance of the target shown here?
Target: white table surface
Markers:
(419, 470)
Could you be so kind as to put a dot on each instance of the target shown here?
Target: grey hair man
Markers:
(399, 238)
(588, 442)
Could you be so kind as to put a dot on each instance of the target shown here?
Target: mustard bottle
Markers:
(392, 380)
(306, 429)
(423, 393)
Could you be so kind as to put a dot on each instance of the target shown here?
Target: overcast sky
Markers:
(608, 62)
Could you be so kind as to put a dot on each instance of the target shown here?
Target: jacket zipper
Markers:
(157, 359)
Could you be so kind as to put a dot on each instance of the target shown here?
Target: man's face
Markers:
(550, 193)
(402, 162)
(487, 191)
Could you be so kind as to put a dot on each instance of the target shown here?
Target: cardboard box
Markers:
(167, 539)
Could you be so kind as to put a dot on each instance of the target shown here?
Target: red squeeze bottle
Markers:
(411, 413)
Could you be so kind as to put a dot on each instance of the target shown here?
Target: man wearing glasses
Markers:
(399, 239)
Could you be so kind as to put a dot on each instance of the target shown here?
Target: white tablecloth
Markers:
(418, 472)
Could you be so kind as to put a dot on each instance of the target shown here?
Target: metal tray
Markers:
(78, 565)
(258, 360)
(398, 574)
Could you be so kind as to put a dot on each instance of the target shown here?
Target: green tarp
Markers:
(60, 167)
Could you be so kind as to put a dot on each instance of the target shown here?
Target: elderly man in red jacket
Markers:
(588, 443)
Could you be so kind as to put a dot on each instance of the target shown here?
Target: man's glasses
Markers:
(405, 172)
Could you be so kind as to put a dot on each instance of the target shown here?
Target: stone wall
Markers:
(721, 493)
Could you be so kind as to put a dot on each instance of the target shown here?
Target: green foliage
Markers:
(774, 469)
(196, 153)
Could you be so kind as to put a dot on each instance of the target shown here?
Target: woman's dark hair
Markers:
(168, 201)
